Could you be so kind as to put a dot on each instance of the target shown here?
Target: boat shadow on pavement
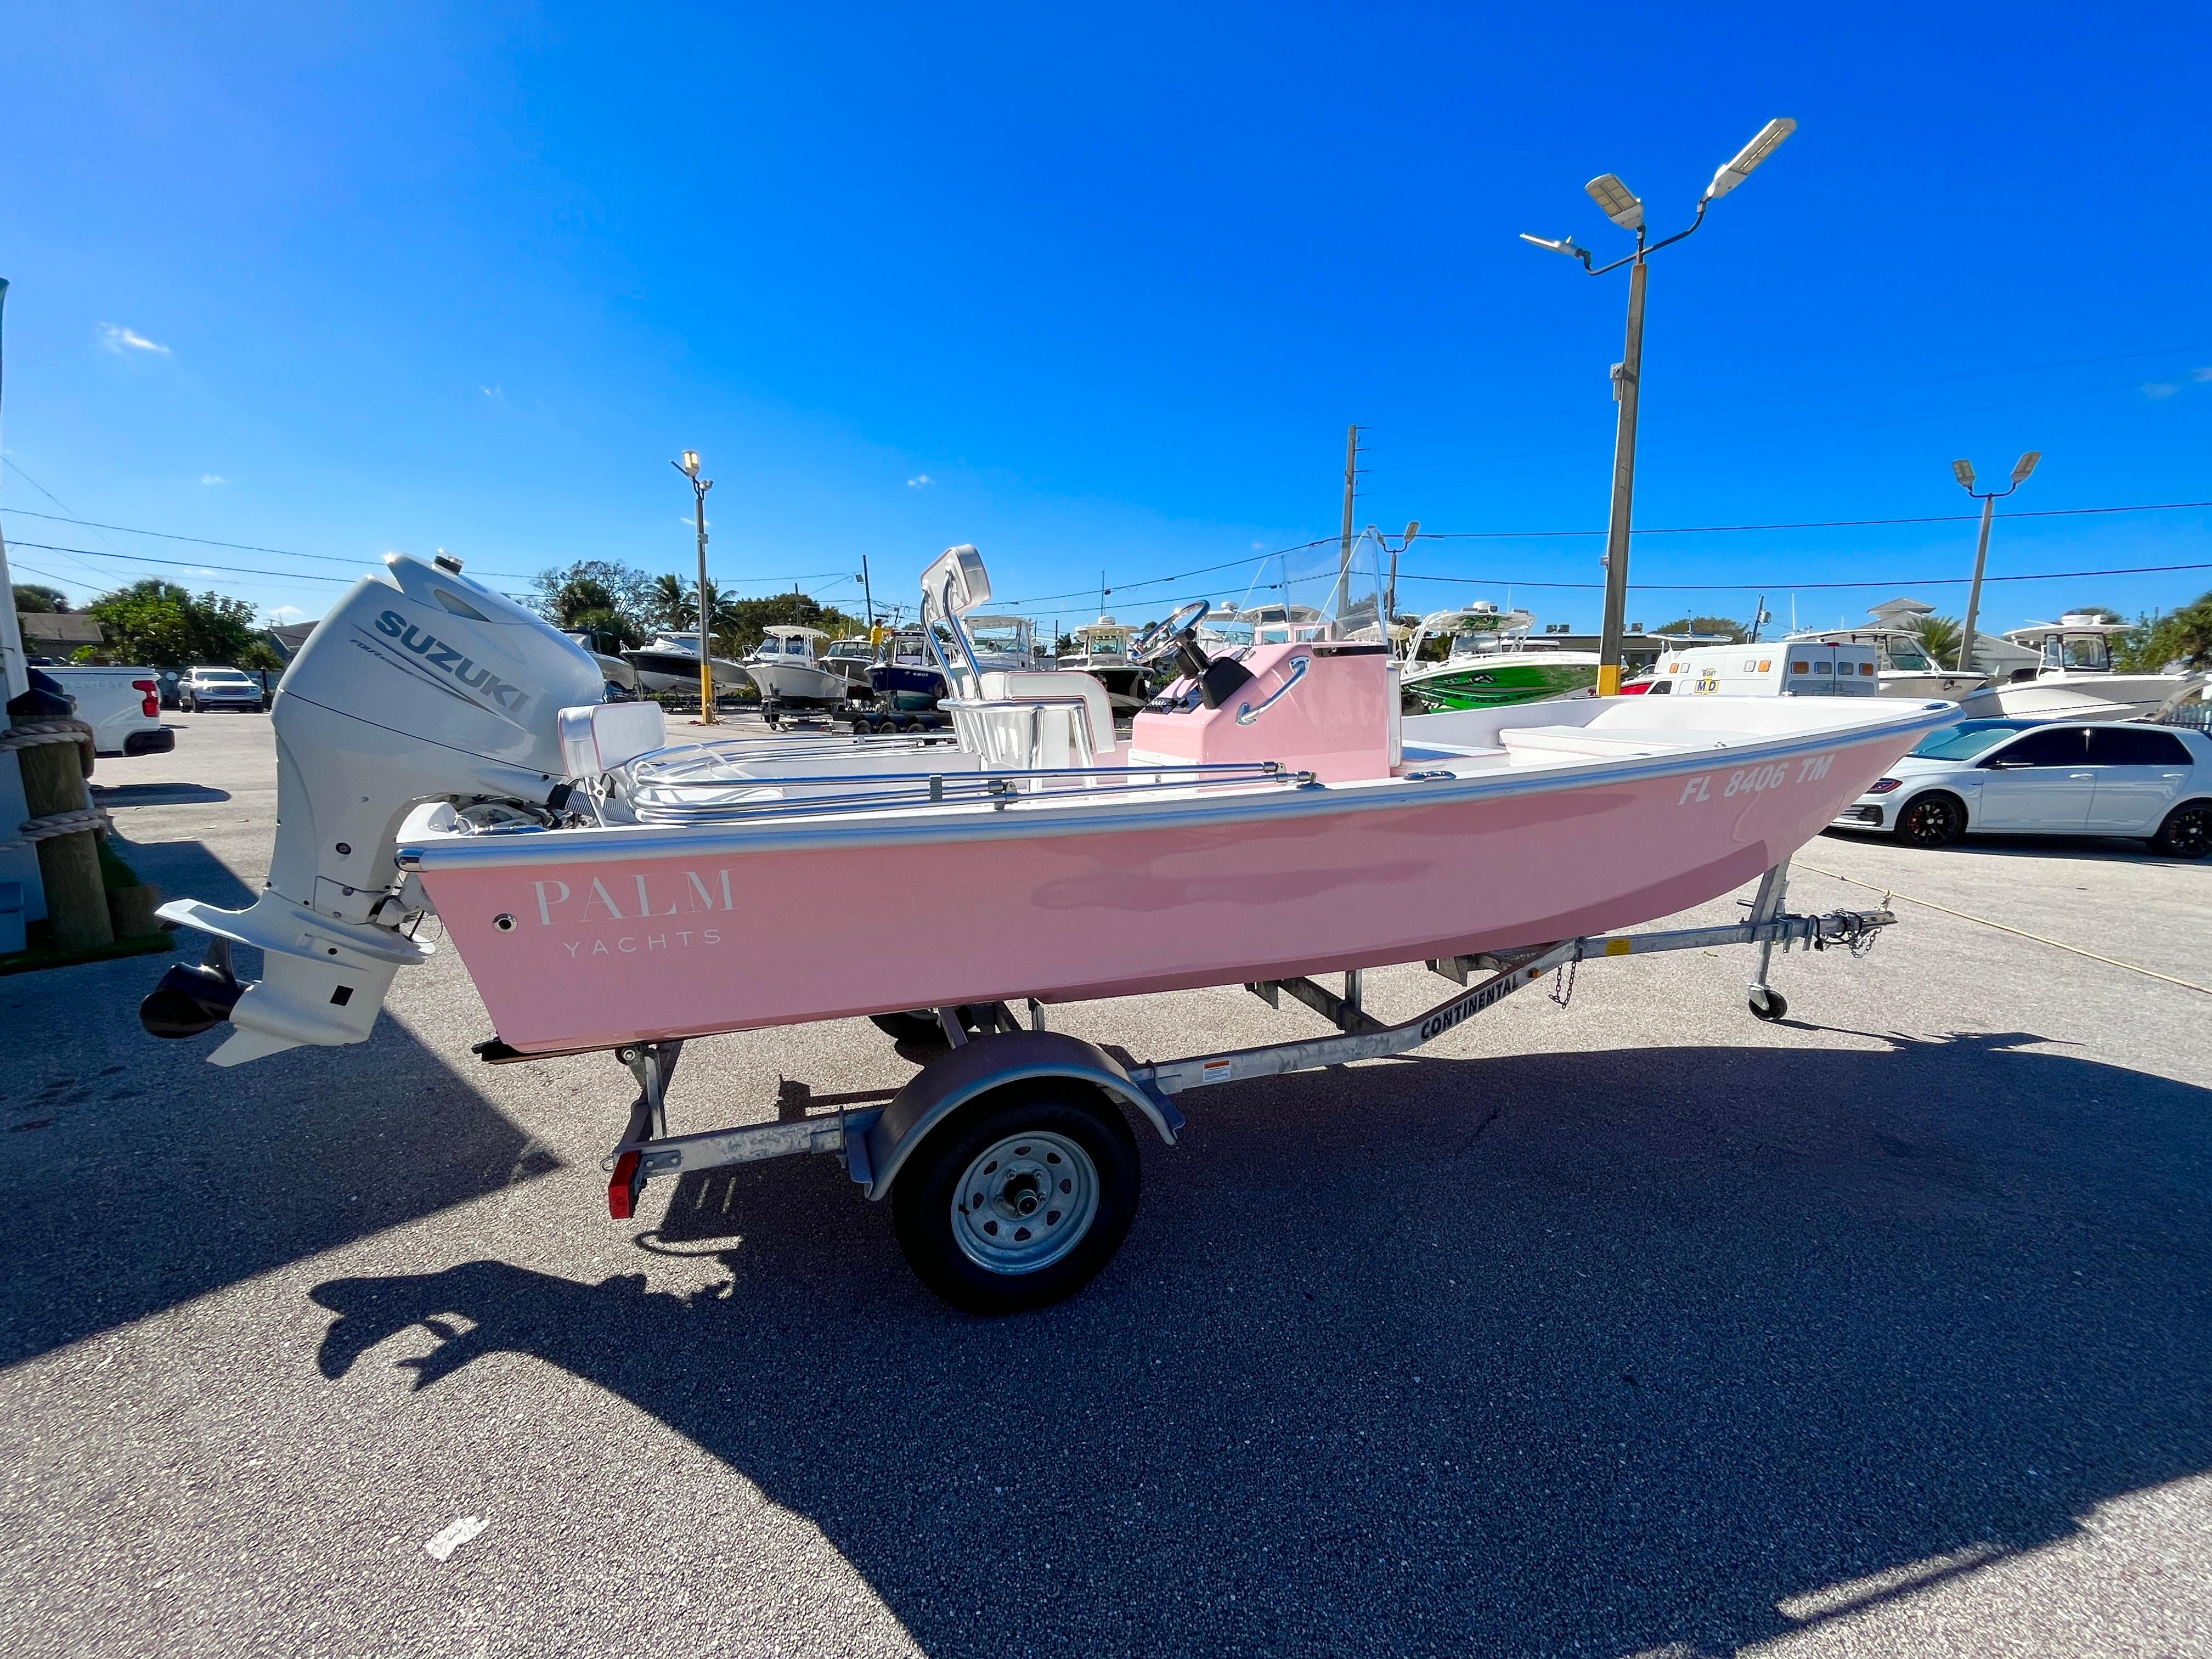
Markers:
(1501, 1356)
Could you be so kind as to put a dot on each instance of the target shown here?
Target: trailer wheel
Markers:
(916, 1026)
(1019, 1198)
(1768, 1004)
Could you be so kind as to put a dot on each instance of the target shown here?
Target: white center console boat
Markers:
(1272, 816)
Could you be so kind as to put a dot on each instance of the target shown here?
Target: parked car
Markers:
(2062, 778)
(121, 705)
(220, 688)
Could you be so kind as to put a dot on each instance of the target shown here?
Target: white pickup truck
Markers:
(122, 706)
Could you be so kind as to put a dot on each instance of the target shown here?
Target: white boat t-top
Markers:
(1271, 817)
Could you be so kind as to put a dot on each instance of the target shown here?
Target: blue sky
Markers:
(1100, 288)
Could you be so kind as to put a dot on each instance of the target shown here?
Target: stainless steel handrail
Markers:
(1246, 714)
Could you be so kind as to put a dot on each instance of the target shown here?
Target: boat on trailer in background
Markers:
(1476, 656)
(1272, 816)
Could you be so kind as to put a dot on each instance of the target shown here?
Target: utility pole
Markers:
(1351, 484)
(868, 596)
(1964, 472)
(1622, 206)
(1390, 595)
(689, 466)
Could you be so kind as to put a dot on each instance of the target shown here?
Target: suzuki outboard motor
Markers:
(421, 685)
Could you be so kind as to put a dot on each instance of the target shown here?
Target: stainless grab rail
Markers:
(1246, 714)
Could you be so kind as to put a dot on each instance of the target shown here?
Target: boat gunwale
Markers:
(1073, 812)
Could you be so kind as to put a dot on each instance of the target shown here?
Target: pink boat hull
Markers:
(745, 934)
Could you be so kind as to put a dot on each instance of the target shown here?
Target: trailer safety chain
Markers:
(1562, 978)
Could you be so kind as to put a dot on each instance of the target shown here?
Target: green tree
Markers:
(1733, 632)
(2183, 636)
(37, 599)
(622, 588)
(586, 602)
(158, 624)
(1939, 636)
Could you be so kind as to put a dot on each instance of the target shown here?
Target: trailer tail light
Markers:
(621, 1188)
(1883, 786)
(151, 707)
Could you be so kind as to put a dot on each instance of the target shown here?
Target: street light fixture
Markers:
(1621, 203)
(1625, 209)
(689, 466)
(1734, 172)
(1964, 472)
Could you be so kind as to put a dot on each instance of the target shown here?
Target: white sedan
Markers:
(2066, 778)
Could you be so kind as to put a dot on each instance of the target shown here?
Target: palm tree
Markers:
(1939, 636)
(670, 603)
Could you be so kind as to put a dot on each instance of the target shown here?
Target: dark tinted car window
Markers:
(2053, 746)
(2113, 745)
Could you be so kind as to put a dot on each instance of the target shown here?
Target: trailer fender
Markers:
(976, 1068)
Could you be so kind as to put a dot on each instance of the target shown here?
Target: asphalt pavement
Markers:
(1628, 1327)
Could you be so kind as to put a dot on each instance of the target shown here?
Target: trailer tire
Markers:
(976, 1205)
(1768, 1005)
(916, 1026)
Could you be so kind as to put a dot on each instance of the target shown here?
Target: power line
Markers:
(1773, 585)
(203, 541)
(1815, 524)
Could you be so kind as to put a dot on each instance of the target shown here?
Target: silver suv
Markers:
(220, 688)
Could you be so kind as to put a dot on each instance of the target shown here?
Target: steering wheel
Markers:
(1164, 638)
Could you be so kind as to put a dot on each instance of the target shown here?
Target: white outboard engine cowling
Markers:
(421, 685)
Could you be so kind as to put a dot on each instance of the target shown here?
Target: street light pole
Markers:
(1964, 472)
(1625, 209)
(1627, 376)
(689, 466)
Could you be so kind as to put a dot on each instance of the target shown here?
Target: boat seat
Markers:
(1056, 685)
(1609, 742)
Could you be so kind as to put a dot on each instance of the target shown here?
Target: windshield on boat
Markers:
(1000, 636)
(1903, 655)
(1967, 739)
(2076, 651)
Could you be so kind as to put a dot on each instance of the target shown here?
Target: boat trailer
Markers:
(1025, 1118)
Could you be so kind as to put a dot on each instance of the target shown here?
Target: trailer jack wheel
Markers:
(1019, 1198)
(1768, 1004)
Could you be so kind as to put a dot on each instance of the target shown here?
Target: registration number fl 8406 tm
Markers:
(1751, 780)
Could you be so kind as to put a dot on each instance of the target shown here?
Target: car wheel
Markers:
(1932, 820)
(2186, 833)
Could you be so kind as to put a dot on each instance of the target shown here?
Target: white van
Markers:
(1782, 668)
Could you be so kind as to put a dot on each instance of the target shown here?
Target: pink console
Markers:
(1327, 708)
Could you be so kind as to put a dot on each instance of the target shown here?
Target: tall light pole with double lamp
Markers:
(1622, 206)
(1964, 472)
(689, 466)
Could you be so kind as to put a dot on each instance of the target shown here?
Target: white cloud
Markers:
(114, 337)
(920, 480)
(2203, 374)
(286, 613)
(2160, 389)
(213, 477)
(1259, 547)
(492, 391)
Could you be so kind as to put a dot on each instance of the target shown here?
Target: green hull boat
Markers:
(1497, 682)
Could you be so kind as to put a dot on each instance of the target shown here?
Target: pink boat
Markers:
(1270, 815)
